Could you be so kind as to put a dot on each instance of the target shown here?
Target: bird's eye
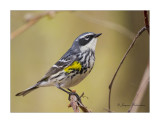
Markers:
(87, 37)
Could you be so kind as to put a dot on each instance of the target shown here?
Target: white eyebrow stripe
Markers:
(85, 35)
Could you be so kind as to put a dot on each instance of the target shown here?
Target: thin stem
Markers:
(125, 55)
(30, 23)
(140, 92)
(146, 20)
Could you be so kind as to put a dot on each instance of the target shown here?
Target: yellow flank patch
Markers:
(74, 66)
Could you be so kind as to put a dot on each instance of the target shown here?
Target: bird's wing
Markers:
(60, 65)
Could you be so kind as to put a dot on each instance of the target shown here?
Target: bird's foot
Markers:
(73, 92)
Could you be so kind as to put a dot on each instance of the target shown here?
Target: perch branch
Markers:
(83, 108)
(125, 55)
(140, 92)
(30, 22)
(75, 104)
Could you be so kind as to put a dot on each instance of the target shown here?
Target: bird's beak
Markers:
(97, 35)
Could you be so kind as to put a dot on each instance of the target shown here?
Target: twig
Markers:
(83, 108)
(125, 55)
(146, 20)
(30, 22)
(75, 104)
(141, 91)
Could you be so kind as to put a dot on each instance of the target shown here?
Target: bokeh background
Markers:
(35, 50)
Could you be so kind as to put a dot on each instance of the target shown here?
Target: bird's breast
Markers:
(87, 61)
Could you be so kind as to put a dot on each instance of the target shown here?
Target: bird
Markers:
(72, 67)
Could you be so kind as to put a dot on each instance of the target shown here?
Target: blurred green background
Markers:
(38, 48)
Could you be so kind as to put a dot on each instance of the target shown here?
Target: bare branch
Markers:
(125, 55)
(83, 108)
(141, 91)
(31, 22)
(74, 103)
(145, 80)
(146, 20)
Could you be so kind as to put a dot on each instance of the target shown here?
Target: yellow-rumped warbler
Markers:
(73, 67)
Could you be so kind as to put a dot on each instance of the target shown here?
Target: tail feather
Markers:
(23, 93)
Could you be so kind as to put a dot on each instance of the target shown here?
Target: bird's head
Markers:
(86, 41)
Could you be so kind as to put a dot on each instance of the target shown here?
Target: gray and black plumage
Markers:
(72, 67)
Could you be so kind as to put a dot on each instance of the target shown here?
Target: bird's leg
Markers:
(72, 92)
(64, 90)
(69, 89)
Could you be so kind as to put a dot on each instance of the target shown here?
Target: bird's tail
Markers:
(23, 93)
